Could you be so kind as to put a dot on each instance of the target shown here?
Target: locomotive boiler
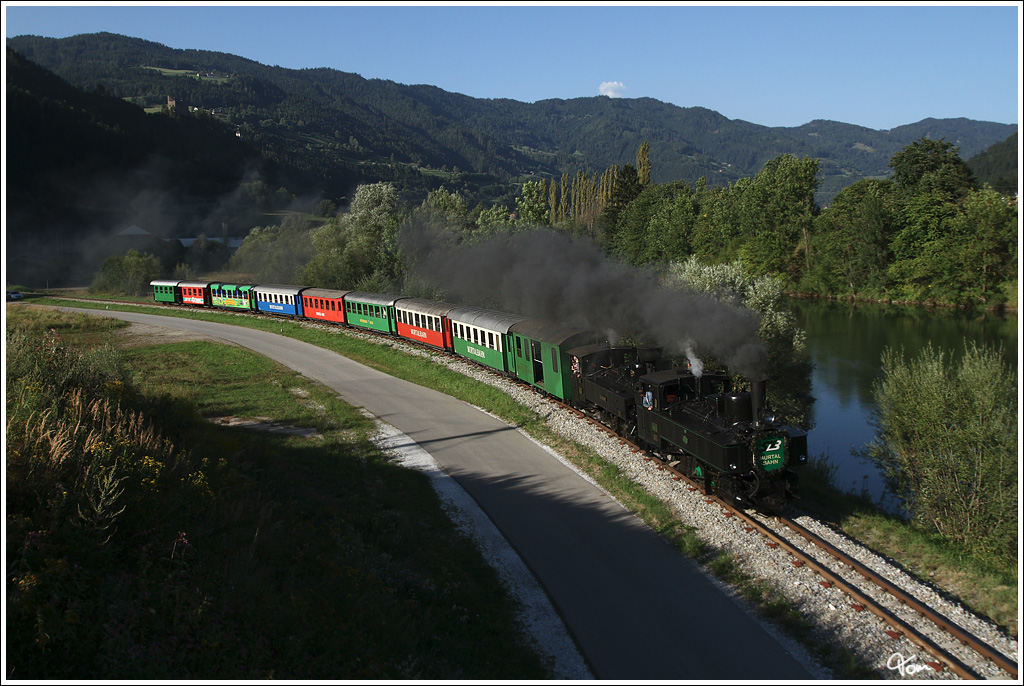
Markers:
(725, 438)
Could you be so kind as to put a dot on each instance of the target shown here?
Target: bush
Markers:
(90, 483)
(128, 274)
(947, 443)
(789, 365)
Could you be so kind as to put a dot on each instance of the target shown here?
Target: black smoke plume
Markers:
(549, 275)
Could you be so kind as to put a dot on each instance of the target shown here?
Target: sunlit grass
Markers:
(139, 536)
(992, 597)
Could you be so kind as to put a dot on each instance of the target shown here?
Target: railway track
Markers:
(944, 641)
(838, 569)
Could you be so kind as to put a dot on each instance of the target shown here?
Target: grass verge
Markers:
(844, 510)
(983, 583)
(143, 542)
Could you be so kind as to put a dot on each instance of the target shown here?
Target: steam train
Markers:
(725, 438)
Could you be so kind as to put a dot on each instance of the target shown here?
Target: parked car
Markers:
(14, 295)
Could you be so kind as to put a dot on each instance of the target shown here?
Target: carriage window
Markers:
(519, 346)
(554, 360)
(490, 339)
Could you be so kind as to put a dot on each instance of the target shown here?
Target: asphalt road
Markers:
(637, 609)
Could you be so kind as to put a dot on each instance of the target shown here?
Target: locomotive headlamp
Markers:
(768, 416)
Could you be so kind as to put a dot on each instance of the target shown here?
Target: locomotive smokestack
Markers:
(696, 366)
(758, 396)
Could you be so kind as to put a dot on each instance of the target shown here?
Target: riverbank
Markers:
(1007, 309)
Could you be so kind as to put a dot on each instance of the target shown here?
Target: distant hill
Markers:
(338, 129)
(997, 166)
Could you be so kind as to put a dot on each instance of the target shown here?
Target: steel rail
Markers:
(861, 601)
(943, 657)
(938, 619)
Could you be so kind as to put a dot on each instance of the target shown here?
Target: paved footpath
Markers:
(637, 609)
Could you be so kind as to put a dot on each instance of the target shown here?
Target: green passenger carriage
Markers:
(483, 336)
(541, 354)
(371, 311)
(232, 296)
(165, 291)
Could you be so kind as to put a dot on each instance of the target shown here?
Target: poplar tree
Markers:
(563, 198)
(643, 163)
(553, 202)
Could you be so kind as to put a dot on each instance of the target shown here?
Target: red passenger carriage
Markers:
(195, 292)
(424, 321)
(324, 304)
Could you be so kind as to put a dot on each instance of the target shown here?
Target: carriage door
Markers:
(538, 363)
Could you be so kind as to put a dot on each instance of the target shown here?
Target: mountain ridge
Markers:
(345, 129)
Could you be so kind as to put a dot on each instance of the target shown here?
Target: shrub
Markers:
(788, 360)
(947, 443)
(90, 481)
(128, 274)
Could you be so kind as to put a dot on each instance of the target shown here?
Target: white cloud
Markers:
(613, 89)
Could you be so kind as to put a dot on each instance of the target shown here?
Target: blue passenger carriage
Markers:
(275, 299)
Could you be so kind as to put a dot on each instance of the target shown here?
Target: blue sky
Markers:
(871, 64)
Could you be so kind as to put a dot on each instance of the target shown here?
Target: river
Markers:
(846, 341)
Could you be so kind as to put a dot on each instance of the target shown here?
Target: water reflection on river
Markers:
(846, 343)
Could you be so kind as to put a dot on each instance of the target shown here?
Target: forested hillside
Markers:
(344, 129)
(237, 139)
(997, 166)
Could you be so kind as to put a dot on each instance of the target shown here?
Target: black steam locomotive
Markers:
(726, 439)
